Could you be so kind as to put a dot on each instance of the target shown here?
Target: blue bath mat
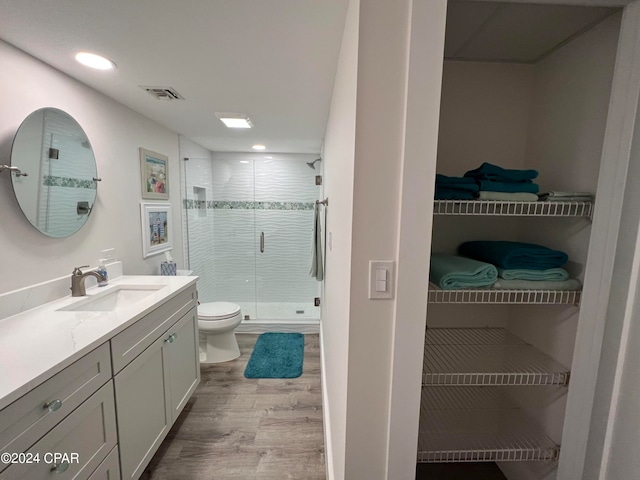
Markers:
(276, 355)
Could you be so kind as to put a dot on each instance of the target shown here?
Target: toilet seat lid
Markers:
(217, 310)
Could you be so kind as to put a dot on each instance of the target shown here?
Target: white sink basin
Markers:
(122, 296)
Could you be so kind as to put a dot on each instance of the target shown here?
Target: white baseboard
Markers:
(326, 423)
(306, 326)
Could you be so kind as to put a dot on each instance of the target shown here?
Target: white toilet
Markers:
(216, 322)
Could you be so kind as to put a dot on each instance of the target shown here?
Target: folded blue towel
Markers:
(444, 180)
(553, 274)
(493, 186)
(570, 284)
(512, 255)
(452, 272)
(487, 171)
(443, 193)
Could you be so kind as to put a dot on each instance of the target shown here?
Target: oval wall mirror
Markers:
(59, 189)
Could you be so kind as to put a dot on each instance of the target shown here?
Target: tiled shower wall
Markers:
(230, 200)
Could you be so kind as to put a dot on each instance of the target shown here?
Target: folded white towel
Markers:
(553, 196)
(507, 196)
(554, 193)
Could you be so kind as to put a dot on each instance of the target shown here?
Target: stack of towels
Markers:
(502, 265)
(491, 182)
(555, 196)
(523, 266)
(455, 188)
(497, 183)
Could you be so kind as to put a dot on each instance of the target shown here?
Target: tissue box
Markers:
(168, 268)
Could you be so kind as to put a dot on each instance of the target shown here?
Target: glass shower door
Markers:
(285, 195)
(221, 230)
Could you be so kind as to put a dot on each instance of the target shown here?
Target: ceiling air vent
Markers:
(163, 93)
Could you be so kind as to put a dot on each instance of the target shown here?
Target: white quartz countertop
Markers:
(40, 342)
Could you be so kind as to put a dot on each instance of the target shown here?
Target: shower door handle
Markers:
(261, 242)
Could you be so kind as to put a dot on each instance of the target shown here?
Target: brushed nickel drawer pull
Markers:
(53, 405)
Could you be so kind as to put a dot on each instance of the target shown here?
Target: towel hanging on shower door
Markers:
(316, 269)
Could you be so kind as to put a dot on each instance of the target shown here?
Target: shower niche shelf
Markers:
(485, 357)
(512, 209)
(476, 424)
(498, 296)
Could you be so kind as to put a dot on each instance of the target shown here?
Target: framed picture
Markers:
(154, 168)
(156, 228)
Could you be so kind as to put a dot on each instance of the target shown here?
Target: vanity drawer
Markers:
(26, 420)
(89, 432)
(130, 343)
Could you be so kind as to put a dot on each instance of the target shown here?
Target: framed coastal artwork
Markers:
(156, 228)
(154, 168)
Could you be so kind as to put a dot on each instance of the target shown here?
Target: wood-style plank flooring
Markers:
(235, 428)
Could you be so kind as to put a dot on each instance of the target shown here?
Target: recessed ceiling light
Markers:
(235, 120)
(269, 158)
(258, 147)
(94, 61)
(244, 161)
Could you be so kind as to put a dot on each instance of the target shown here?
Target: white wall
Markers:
(339, 152)
(380, 120)
(116, 133)
(375, 436)
(419, 153)
(484, 115)
(614, 430)
(622, 461)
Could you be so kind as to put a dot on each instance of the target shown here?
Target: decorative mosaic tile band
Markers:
(224, 205)
(53, 181)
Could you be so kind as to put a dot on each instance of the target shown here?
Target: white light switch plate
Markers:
(374, 266)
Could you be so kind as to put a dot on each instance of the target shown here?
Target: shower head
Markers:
(311, 164)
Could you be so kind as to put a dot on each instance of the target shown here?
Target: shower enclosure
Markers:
(249, 228)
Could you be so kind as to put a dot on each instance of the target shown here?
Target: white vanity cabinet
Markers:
(109, 409)
(154, 387)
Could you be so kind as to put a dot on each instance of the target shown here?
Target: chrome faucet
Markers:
(78, 288)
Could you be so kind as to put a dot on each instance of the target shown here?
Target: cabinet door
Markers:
(143, 408)
(109, 469)
(183, 360)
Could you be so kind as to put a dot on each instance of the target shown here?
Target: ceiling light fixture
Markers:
(258, 147)
(94, 61)
(235, 120)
